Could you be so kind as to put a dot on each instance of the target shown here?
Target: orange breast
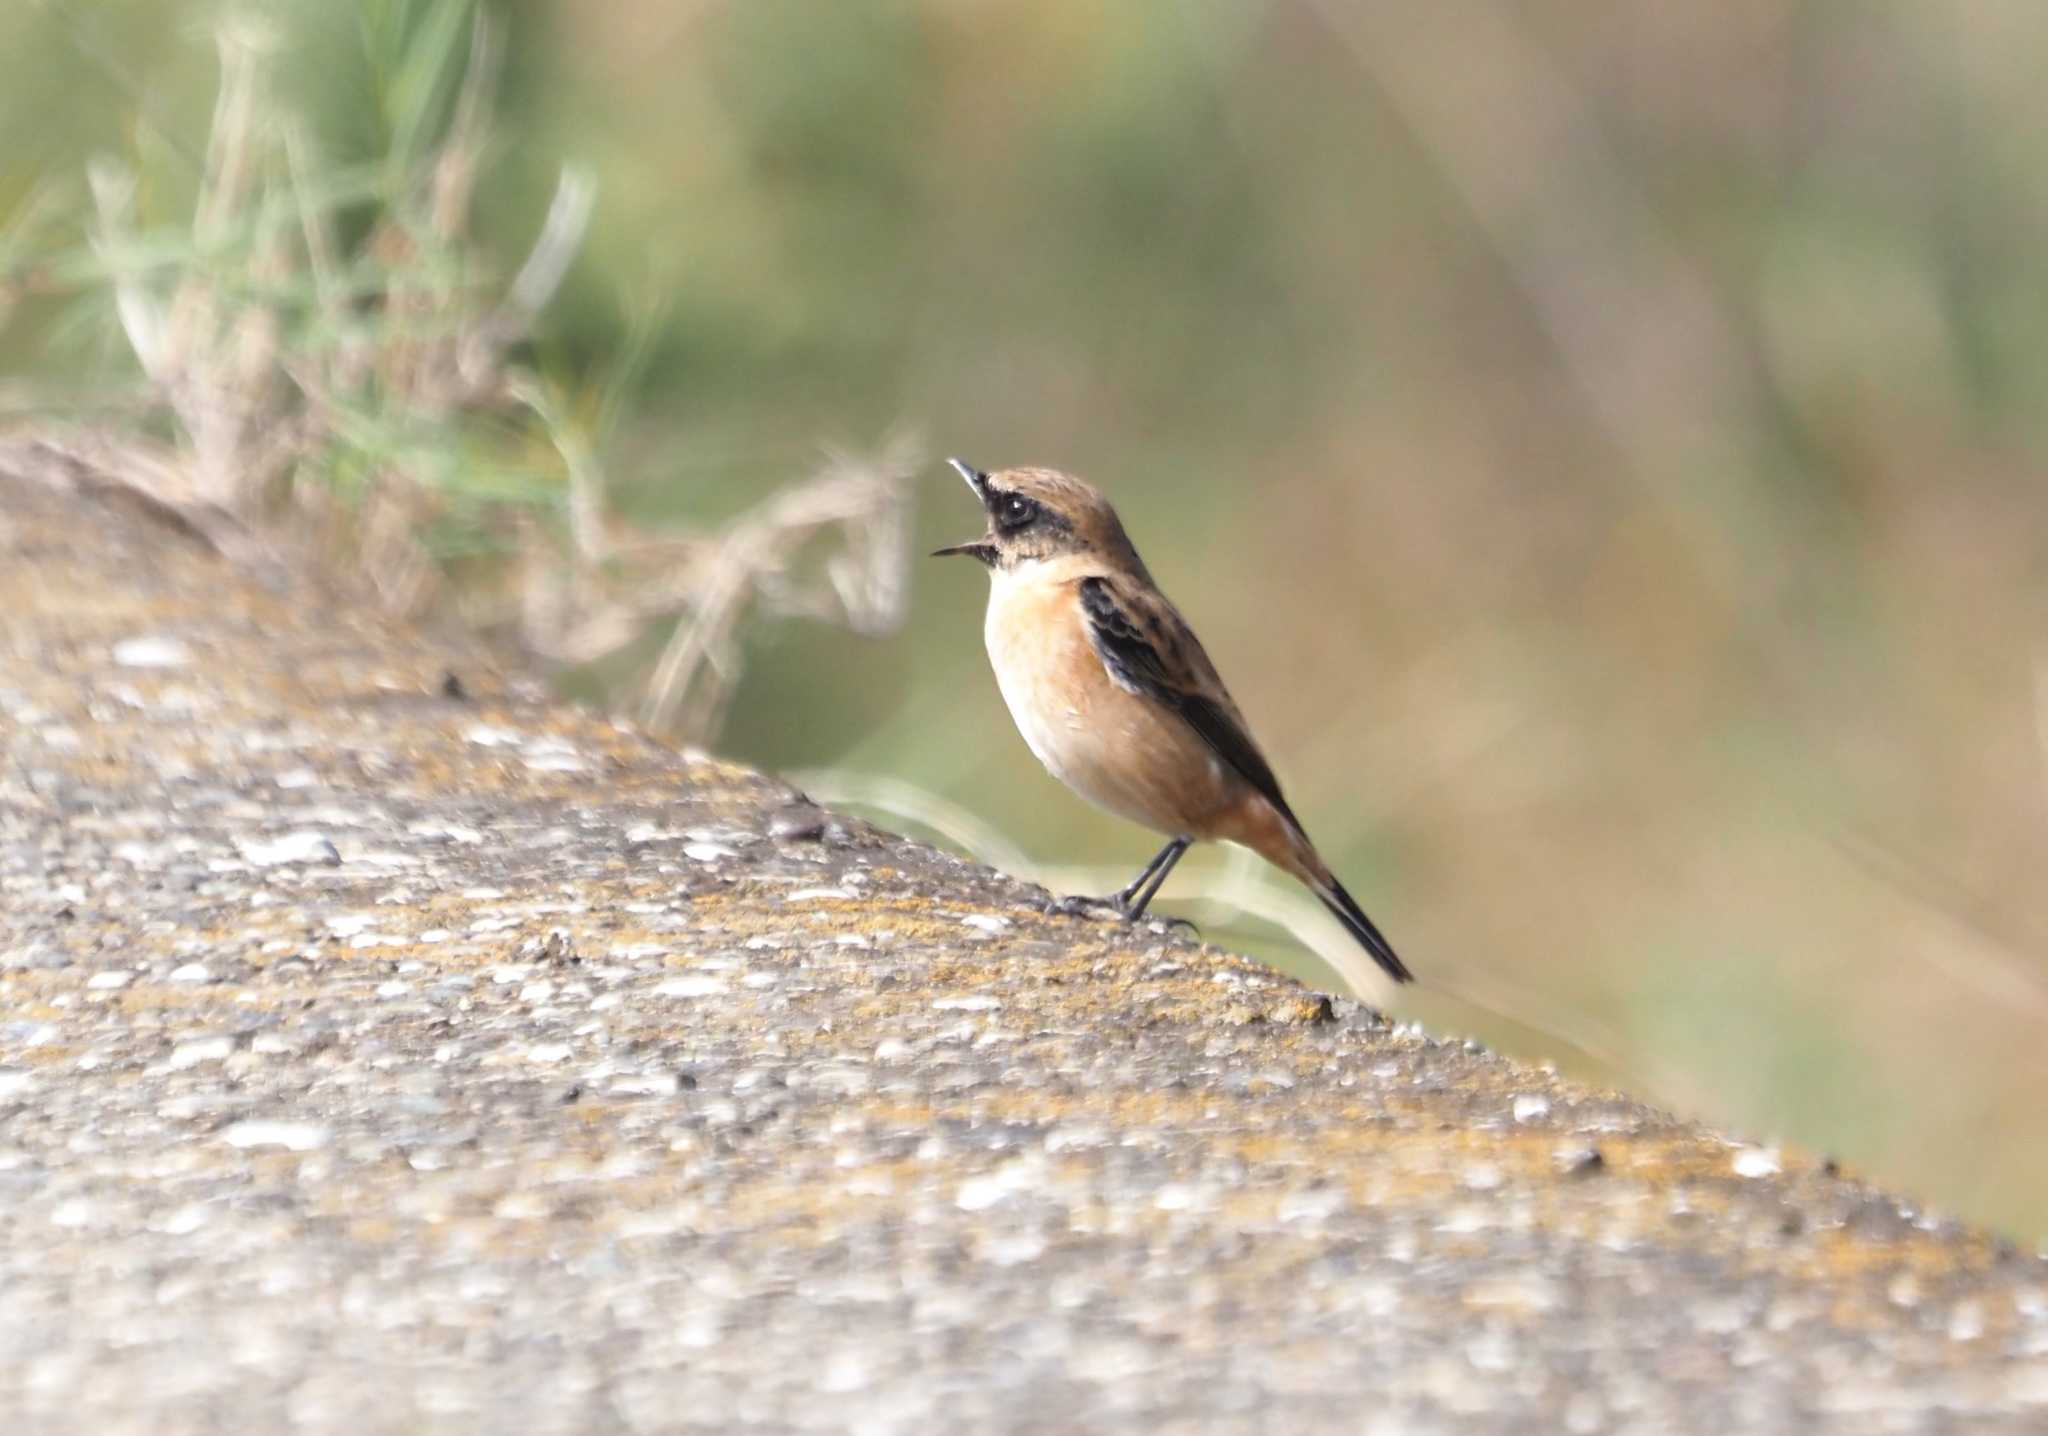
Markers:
(1114, 747)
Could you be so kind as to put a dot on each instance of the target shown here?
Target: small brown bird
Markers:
(1113, 693)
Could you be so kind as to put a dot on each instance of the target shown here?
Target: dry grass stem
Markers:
(354, 404)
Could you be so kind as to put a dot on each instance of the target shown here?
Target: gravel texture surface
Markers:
(384, 1048)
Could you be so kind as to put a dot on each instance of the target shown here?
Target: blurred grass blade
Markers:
(419, 90)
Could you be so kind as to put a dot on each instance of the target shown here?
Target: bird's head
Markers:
(1040, 514)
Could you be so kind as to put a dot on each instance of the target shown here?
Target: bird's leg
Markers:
(1080, 904)
(1130, 902)
(1152, 880)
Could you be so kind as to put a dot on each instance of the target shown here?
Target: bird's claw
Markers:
(1082, 905)
(1086, 905)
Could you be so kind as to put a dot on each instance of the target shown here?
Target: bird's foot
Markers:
(1086, 905)
(1083, 905)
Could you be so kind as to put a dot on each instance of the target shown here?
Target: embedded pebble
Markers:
(301, 847)
(1577, 1159)
(203, 1049)
(1481, 1177)
(690, 987)
(978, 1194)
(553, 755)
(152, 652)
(182, 1221)
(1757, 1162)
(292, 1136)
(797, 824)
(1313, 1204)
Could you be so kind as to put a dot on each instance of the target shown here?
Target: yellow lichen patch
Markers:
(155, 997)
(1664, 1160)
(43, 1054)
(1839, 1254)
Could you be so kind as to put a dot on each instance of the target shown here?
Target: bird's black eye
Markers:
(1015, 512)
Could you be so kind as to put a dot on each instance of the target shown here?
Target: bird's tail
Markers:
(1361, 928)
(1271, 831)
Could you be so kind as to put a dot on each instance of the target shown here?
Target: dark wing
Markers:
(1149, 650)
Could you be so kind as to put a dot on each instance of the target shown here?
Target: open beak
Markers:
(980, 549)
(976, 479)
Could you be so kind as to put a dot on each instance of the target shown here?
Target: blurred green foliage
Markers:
(1602, 445)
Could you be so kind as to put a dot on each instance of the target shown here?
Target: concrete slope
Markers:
(386, 1048)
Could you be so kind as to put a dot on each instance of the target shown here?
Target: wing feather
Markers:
(1149, 650)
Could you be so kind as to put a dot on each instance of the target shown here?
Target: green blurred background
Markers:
(1602, 444)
